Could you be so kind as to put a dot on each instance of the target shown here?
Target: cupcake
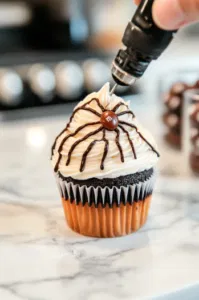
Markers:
(104, 164)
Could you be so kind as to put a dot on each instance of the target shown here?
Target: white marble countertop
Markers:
(42, 259)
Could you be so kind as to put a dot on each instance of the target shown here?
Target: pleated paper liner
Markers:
(106, 222)
(98, 195)
(106, 212)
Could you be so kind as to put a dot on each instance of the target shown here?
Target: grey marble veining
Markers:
(42, 259)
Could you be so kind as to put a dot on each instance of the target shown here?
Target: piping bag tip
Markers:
(113, 89)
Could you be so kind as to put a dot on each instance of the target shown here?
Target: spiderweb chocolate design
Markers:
(108, 121)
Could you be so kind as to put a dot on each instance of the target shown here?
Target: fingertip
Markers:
(167, 14)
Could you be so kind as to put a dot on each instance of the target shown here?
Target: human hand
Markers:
(172, 14)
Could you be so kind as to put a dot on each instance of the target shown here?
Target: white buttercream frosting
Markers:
(113, 166)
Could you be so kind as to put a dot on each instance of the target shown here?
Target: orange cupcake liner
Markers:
(106, 222)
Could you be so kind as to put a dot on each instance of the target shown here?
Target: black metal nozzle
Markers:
(143, 42)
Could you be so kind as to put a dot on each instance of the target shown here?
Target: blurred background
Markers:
(54, 52)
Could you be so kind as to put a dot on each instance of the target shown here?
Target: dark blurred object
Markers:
(194, 123)
(15, 18)
(194, 116)
(194, 162)
(173, 139)
(173, 116)
(42, 24)
(47, 29)
(172, 121)
(58, 24)
(195, 136)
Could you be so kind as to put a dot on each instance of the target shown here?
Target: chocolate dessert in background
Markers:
(172, 117)
(194, 123)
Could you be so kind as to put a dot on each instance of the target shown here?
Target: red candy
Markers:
(109, 120)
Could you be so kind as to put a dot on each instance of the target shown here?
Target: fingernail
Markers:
(168, 14)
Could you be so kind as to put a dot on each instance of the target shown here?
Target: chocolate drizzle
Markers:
(125, 113)
(71, 135)
(115, 108)
(90, 147)
(118, 144)
(83, 107)
(130, 141)
(105, 150)
(104, 139)
(54, 145)
(91, 110)
(80, 141)
(98, 102)
(133, 126)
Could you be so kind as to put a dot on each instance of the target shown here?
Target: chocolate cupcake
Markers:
(104, 163)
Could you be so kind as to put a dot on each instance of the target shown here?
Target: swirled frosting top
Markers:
(103, 139)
